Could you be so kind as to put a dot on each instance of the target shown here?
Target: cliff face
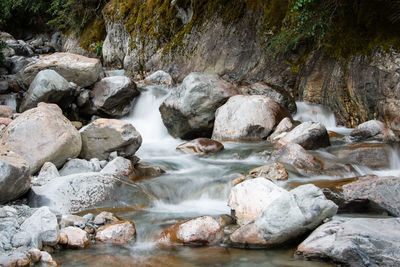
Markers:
(185, 36)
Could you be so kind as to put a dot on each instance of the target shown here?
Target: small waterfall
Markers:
(316, 113)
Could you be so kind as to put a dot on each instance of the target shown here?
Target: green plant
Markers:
(98, 49)
(2, 46)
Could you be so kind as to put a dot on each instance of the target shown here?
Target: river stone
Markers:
(199, 231)
(81, 191)
(310, 135)
(355, 242)
(159, 77)
(201, 146)
(189, 111)
(105, 217)
(249, 118)
(72, 220)
(50, 87)
(113, 95)
(117, 233)
(6, 112)
(286, 217)
(19, 62)
(14, 176)
(77, 238)
(279, 95)
(74, 166)
(43, 226)
(21, 239)
(5, 121)
(104, 136)
(42, 135)
(274, 171)
(296, 157)
(47, 259)
(47, 172)
(81, 70)
(285, 126)
(372, 130)
(119, 166)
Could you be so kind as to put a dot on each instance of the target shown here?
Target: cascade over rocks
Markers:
(81, 70)
(201, 146)
(113, 95)
(50, 87)
(104, 136)
(43, 134)
(355, 242)
(248, 118)
(15, 178)
(285, 215)
(189, 111)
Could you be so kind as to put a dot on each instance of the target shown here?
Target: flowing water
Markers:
(194, 186)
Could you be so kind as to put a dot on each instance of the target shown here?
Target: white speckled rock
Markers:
(77, 238)
(118, 233)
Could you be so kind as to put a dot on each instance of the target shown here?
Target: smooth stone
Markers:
(119, 166)
(285, 126)
(6, 112)
(120, 232)
(74, 166)
(159, 77)
(105, 217)
(200, 146)
(47, 259)
(274, 171)
(372, 130)
(72, 220)
(77, 238)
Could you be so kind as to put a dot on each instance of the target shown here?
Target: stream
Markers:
(193, 186)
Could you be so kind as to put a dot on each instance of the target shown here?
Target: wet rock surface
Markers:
(120, 232)
(201, 146)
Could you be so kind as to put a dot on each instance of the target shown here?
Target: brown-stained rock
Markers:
(274, 171)
(120, 232)
(200, 146)
(77, 238)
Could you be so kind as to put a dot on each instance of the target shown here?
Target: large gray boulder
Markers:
(249, 118)
(50, 87)
(82, 191)
(286, 215)
(74, 166)
(113, 95)
(310, 135)
(14, 176)
(372, 130)
(104, 136)
(81, 70)
(355, 242)
(43, 134)
(189, 111)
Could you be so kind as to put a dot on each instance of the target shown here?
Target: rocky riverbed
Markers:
(98, 169)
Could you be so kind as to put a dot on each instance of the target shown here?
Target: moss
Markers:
(93, 34)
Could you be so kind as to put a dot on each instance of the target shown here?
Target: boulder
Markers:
(113, 95)
(279, 95)
(199, 231)
(117, 233)
(355, 242)
(72, 220)
(119, 166)
(6, 112)
(47, 259)
(189, 111)
(81, 70)
(296, 157)
(372, 130)
(47, 172)
(18, 63)
(159, 77)
(274, 171)
(81, 191)
(21, 48)
(104, 136)
(42, 135)
(5, 121)
(14, 176)
(48, 86)
(42, 225)
(74, 166)
(285, 126)
(105, 217)
(249, 118)
(310, 135)
(142, 171)
(4, 87)
(287, 216)
(201, 146)
(77, 238)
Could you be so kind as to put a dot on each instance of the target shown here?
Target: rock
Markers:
(6, 112)
(104, 136)
(117, 233)
(298, 158)
(310, 135)
(18, 63)
(74, 68)
(63, 239)
(201, 146)
(21, 239)
(21, 48)
(274, 171)
(81, 191)
(279, 95)
(72, 220)
(285, 126)
(5, 121)
(372, 130)
(105, 217)
(249, 118)
(189, 111)
(3, 90)
(42, 135)
(286, 216)
(47, 172)
(46, 258)
(355, 242)
(42, 225)
(113, 95)
(34, 254)
(199, 231)
(14, 176)
(159, 77)
(374, 191)
(142, 171)
(250, 198)
(119, 166)
(48, 86)
(77, 238)
(74, 166)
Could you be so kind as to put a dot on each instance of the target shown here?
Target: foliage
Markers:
(98, 49)
(2, 46)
